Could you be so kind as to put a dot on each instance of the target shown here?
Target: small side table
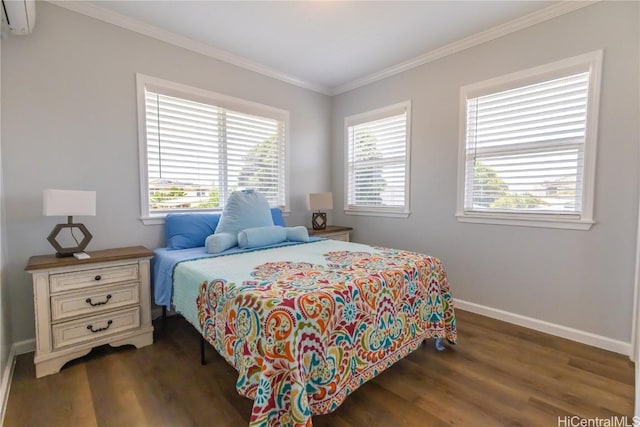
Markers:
(335, 232)
(81, 304)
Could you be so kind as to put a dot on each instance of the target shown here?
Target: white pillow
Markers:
(261, 236)
(220, 242)
(244, 209)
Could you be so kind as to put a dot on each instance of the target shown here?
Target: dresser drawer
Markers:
(94, 277)
(343, 236)
(93, 300)
(93, 327)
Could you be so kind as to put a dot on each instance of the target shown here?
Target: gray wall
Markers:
(69, 121)
(578, 279)
(5, 336)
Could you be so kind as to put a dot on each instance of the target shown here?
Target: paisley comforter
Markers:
(306, 325)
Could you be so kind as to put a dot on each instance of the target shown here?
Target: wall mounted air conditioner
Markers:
(18, 16)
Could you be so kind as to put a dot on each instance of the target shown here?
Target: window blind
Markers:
(198, 153)
(525, 148)
(376, 164)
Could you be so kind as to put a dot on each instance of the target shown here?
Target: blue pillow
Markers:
(244, 209)
(261, 236)
(220, 242)
(276, 214)
(297, 234)
(189, 230)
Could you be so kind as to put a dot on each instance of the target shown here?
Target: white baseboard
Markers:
(5, 386)
(17, 348)
(547, 327)
(636, 412)
(26, 346)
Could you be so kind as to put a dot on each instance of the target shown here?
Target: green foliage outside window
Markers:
(160, 197)
(493, 193)
(369, 182)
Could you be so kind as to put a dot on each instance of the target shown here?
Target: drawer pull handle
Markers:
(90, 327)
(98, 277)
(93, 304)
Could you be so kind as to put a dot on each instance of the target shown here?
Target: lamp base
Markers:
(64, 255)
(62, 252)
(319, 220)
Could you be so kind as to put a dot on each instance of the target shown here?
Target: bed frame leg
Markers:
(202, 344)
(164, 317)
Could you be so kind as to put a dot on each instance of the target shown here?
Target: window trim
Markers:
(592, 62)
(369, 116)
(202, 95)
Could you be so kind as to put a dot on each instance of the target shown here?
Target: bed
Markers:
(306, 324)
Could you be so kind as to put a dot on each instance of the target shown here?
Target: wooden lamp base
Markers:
(62, 252)
(319, 220)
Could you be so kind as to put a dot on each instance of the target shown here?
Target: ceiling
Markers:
(326, 44)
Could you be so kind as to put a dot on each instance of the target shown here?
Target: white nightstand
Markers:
(334, 232)
(81, 304)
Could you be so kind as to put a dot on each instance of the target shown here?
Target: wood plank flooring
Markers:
(498, 375)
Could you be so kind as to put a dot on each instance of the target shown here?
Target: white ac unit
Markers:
(19, 16)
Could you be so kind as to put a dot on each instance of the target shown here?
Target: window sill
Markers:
(152, 220)
(526, 221)
(390, 214)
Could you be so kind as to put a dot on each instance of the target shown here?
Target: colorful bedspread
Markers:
(306, 325)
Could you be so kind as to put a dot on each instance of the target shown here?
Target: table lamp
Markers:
(320, 202)
(69, 203)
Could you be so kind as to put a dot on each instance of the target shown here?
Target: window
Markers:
(377, 162)
(196, 147)
(528, 144)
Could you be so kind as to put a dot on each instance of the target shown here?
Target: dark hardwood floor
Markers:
(498, 375)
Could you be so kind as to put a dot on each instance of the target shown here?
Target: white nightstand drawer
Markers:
(88, 328)
(94, 277)
(333, 232)
(343, 236)
(93, 301)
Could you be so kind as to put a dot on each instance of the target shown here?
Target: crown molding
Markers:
(122, 21)
(105, 15)
(493, 33)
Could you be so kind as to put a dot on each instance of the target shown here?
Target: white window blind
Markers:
(525, 147)
(183, 153)
(198, 153)
(377, 161)
(528, 146)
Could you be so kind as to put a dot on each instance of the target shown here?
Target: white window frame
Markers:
(370, 116)
(200, 95)
(584, 220)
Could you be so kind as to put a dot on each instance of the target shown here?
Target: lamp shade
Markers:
(68, 203)
(320, 201)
